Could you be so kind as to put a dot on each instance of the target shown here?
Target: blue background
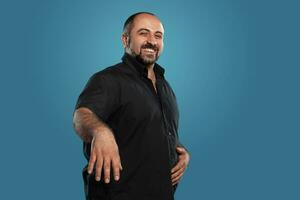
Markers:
(234, 66)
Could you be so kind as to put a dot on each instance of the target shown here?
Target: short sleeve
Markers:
(100, 95)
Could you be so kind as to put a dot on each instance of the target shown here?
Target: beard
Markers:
(145, 57)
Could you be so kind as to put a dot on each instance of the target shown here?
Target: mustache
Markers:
(149, 46)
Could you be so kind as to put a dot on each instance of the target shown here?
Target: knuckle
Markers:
(91, 162)
(99, 163)
(99, 167)
(107, 162)
(93, 157)
(116, 164)
(107, 169)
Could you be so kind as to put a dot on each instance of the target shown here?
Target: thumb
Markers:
(180, 149)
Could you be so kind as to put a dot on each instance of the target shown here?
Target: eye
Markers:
(158, 36)
(143, 33)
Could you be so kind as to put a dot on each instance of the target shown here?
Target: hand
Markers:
(179, 169)
(105, 154)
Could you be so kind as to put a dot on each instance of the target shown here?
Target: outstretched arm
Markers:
(104, 149)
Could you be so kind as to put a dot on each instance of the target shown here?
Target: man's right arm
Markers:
(104, 149)
(87, 124)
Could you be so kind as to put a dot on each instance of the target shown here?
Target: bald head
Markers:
(129, 23)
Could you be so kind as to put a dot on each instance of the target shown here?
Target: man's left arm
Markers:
(183, 161)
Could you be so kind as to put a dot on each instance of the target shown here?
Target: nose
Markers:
(151, 39)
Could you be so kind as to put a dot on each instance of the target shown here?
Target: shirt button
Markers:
(170, 133)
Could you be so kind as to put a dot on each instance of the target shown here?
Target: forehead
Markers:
(147, 21)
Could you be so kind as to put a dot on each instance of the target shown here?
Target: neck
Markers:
(150, 67)
(151, 73)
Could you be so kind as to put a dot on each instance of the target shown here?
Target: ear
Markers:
(124, 39)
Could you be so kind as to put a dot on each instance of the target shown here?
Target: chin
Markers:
(147, 60)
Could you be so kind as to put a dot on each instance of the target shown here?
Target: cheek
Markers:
(136, 45)
(161, 46)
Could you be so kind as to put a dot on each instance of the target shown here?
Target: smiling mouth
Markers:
(148, 50)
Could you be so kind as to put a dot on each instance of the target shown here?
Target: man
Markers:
(127, 116)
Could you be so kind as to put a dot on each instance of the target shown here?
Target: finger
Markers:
(174, 183)
(177, 178)
(175, 174)
(116, 168)
(99, 165)
(177, 167)
(91, 162)
(107, 170)
(180, 150)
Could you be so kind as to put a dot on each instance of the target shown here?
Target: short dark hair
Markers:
(129, 22)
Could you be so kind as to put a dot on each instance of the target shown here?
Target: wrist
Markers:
(100, 131)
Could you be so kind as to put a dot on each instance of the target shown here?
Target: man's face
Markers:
(145, 41)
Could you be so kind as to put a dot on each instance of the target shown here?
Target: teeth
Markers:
(150, 50)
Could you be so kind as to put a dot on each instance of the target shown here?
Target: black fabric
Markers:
(145, 125)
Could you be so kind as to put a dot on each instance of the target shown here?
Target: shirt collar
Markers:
(142, 69)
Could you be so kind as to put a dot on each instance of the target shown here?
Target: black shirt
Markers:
(145, 125)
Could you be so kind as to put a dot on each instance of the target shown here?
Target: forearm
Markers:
(87, 124)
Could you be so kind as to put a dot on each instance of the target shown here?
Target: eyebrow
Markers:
(145, 29)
